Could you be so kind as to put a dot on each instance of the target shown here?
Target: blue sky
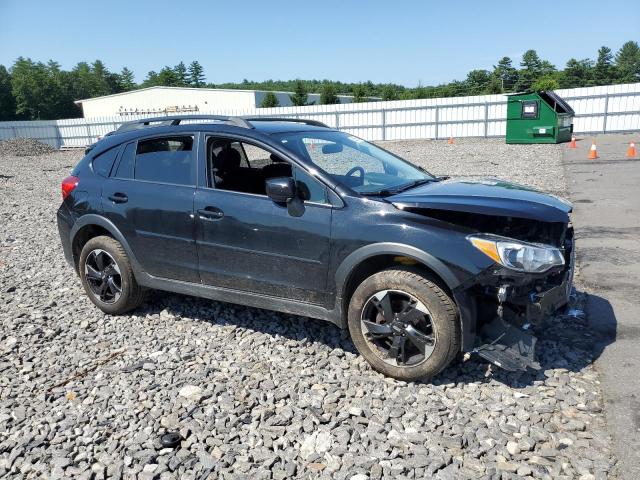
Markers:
(405, 42)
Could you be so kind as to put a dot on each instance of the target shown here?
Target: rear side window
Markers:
(166, 160)
(102, 163)
(125, 167)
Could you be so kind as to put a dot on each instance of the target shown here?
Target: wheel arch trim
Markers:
(356, 257)
(100, 221)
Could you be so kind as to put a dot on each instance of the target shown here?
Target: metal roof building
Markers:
(159, 100)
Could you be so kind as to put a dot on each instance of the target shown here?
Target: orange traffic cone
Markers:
(631, 151)
(450, 141)
(593, 151)
(572, 144)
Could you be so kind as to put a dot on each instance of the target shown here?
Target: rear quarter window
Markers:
(103, 163)
(127, 161)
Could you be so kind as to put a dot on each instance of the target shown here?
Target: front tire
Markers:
(107, 276)
(404, 324)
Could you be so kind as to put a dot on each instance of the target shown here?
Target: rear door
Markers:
(149, 197)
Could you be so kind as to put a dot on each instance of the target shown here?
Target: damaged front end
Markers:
(528, 237)
(511, 301)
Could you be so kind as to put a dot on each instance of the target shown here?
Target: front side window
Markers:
(354, 162)
(166, 160)
(243, 167)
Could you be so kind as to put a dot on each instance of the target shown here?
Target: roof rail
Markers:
(314, 123)
(176, 120)
(243, 122)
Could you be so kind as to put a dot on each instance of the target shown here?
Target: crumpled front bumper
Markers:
(520, 301)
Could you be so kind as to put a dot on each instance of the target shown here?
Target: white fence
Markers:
(613, 108)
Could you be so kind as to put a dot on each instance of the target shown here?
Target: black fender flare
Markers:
(98, 220)
(390, 248)
(464, 303)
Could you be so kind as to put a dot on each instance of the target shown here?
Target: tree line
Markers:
(32, 90)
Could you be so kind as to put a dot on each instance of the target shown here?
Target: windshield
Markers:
(354, 162)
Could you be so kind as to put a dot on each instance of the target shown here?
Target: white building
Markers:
(158, 100)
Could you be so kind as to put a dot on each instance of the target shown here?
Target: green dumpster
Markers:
(538, 117)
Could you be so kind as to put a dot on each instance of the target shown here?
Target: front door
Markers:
(247, 242)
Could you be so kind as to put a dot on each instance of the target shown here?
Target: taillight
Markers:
(68, 185)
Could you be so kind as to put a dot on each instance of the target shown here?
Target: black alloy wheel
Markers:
(103, 276)
(399, 328)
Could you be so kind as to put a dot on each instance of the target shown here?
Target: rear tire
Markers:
(424, 326)
(107, 276)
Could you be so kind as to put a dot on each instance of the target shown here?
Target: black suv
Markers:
(291, 215)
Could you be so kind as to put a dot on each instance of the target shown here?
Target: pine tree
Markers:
(299, 97)
(577, 73)
(196, 74)
(505, 72)
(604, 71)
(180, 71)
(328, 94)
(126, 80)
(628, 62)
(532, 69)
(270, 100)
(167, 77)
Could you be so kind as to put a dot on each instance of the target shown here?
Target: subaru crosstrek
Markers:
(294, 216)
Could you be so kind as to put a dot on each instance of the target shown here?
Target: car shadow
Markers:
(569, 341)
(273, 323)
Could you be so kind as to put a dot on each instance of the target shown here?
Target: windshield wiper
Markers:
(413, 184)
(401, 188)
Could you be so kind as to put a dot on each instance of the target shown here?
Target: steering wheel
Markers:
(354, 170)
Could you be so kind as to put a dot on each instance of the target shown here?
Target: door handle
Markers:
(118, 198)
(210, 213)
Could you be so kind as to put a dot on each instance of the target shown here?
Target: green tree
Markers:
(126, 80)
(104, 82)
(390, 92)
(32, 89)
(167, 77)
(577, 73)
(506, 73)
(328, 95)
(604, 72)
(196, 74)
(628, 62)
(7, 102)
(180, 71)
(270, 100)
(300, 96)
(494, 86)
(546, 82)
(530, 72)
(477, 82)
(360, 93)
(151, 80)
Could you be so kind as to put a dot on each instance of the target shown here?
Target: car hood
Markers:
(488, 196)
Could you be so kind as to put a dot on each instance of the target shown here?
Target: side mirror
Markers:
(281, 189)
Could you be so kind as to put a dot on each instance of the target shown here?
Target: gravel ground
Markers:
(257, 394)
(24, 147)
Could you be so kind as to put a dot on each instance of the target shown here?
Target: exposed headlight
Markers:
(516, 255)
